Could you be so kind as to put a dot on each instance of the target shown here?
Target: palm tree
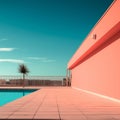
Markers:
(23, 69)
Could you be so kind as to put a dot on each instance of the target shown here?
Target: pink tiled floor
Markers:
(61, 103)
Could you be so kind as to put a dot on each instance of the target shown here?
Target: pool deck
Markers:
(61, 103)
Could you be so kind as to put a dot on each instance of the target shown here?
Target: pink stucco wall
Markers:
(96, 64)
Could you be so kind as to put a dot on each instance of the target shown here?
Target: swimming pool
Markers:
(9, 95)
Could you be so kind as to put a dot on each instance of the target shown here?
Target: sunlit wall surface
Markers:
(96, 64)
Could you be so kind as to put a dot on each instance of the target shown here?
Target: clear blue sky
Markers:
(44, 34)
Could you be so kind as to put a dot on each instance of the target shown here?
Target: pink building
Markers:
(95, 67)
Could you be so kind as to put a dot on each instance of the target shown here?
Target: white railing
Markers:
(32, 80)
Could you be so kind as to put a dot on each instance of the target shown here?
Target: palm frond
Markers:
(23, 69)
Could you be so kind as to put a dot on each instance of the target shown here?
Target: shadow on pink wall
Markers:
(103, 45)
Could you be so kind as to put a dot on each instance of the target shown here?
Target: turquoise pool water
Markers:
(9, 95)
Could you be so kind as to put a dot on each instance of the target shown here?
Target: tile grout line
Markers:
(81, 112)
(39, 106)
(19, 108)
(58, 109)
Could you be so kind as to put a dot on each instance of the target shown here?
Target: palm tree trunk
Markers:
(23, 80)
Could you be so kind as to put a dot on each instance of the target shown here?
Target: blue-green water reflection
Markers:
(9, 95)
